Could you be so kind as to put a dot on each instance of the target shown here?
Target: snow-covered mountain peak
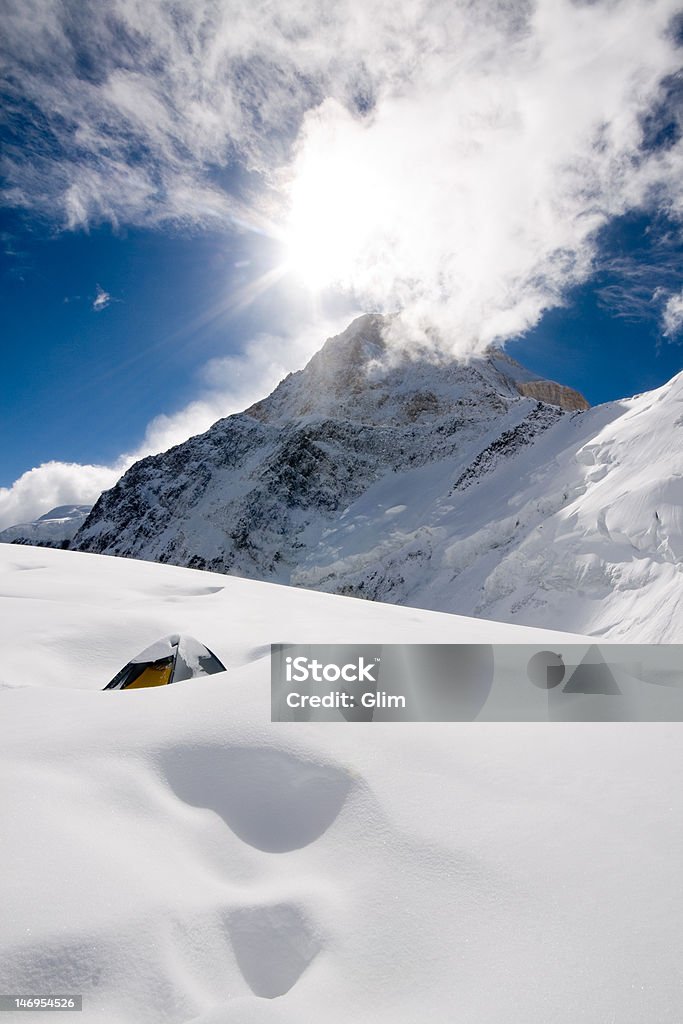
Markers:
(51, 529)
(339, 371)
(260, 490)
(468, 486)
(62, 512)
(362, 376)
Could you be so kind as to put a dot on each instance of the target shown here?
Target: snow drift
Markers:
(177, 859)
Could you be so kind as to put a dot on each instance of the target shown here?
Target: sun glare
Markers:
(328, 220)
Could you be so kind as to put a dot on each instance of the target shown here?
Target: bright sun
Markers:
(328, 220)
(319, 237)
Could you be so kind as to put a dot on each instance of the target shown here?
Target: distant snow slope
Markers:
(581, 529)
(174, 857)
(57, 525)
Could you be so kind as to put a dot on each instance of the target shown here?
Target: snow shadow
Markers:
(273, 946)
(272, 799)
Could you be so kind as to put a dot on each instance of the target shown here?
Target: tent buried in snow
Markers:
(169, 660)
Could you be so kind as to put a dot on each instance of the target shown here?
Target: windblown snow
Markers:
(409, 478)
(175, 858)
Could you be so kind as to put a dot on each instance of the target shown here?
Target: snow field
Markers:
(175, 857)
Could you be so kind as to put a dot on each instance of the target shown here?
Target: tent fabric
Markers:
(170, 660)
(158, 674)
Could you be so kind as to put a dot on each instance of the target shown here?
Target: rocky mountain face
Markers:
(259, 492)
(554, 394)
(467, 487)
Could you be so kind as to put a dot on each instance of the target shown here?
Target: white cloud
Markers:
(472, 198)
(102, 299)
(51, 484)
(454, 158)
(672, 315)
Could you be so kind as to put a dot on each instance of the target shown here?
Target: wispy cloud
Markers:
(464, 154)
(641, 273)
(672, 315)
(102, 299)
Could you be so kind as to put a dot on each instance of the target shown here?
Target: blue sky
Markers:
(82, 378)
(192, 200)
(608, 339)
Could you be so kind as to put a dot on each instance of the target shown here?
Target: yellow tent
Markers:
(169, 660)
